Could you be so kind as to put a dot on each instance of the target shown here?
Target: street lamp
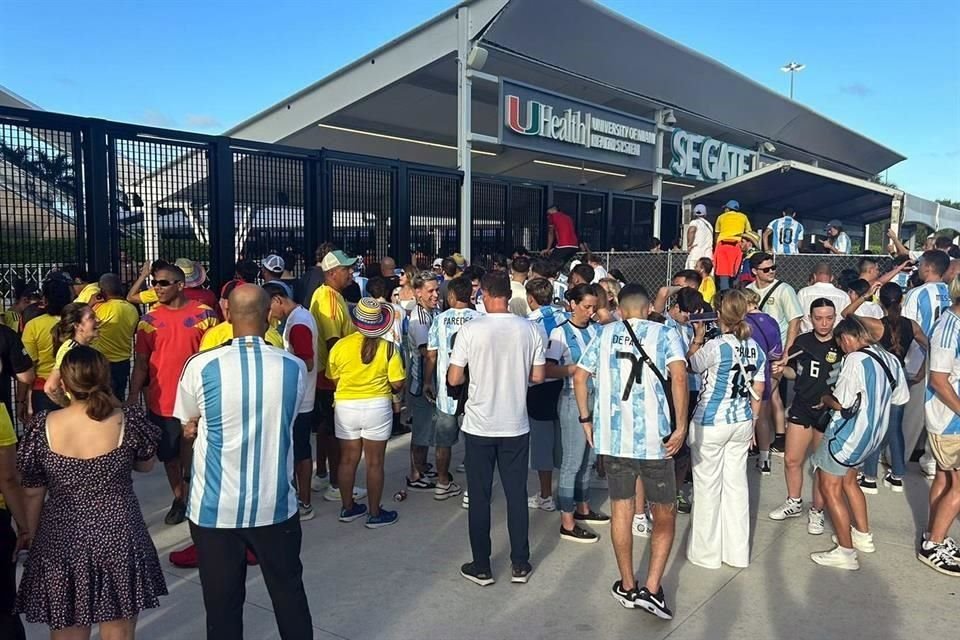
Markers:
(792, 68)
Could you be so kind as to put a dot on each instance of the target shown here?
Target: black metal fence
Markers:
(106, 196)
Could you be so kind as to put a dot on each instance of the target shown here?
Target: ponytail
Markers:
(368, 350)
(100, 402)
(891, 297)
(733, 313)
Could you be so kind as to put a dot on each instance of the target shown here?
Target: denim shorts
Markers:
(821, 459)
(659, 480)
(446, 429)
(421, 411)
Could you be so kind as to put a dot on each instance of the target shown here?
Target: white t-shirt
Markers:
(599, 273)
(500, 350)
(518, 299)
(807, 295)
(702, 240)
(300, 316)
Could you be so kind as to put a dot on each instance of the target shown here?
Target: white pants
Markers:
(720, 531)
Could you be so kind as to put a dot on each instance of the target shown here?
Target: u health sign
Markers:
(538, 120)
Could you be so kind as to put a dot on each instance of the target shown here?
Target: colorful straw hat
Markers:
(372, 318)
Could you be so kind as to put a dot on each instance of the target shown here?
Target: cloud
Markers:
(154, 118)
(857, 89)
(203, 122)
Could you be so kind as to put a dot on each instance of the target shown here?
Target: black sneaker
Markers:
(177, 513)
(578, 534)
(654, 603)
(592, 517)
(753, 452)
(421, 484)
(520, 573)
(683, 505)
(893, 483)
(763, 467)
(778, 447)
(476, 575)
(939, 558)
(867, 485)
(627, 599)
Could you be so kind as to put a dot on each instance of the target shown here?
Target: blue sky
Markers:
(890, 70)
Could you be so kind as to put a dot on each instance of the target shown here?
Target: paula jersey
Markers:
(729, 367)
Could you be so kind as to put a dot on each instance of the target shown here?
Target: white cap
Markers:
(438, 262)
(700, 210)
(273, 263)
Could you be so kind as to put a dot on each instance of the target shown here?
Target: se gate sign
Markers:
(539, 120)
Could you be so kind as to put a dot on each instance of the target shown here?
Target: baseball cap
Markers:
(438, 262)
(752, 236)
(836, 224)
(273, 263)
(733, 205)
(276, 287)
(699, 211)
(336, 259)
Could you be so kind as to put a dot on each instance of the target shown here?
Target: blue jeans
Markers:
(574, 484)
(893, 438)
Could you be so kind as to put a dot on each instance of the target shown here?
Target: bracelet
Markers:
(585, 420)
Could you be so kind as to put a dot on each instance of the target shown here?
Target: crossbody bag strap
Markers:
(769, 293)
(646, 358)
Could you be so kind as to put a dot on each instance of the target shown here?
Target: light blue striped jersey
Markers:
(686, 334)
(944, 358)
(443, 330)
(631, 414)
(418, 333)
(246, 396)
(863, 385)
(842, 243)
(925, 303)
(729, 368)
(548, 318)
(573, 342)
(785, 236)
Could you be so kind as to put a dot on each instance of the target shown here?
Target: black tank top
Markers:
(906, 337)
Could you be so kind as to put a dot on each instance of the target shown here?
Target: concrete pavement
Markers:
(402, 581)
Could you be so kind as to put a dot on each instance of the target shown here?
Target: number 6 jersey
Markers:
(729, 367)
(631, 414)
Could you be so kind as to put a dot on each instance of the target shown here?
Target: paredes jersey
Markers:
(786, 233)
(573, 342)
(866, 394)
(631, 414)
(925, 304)
(944, 358)
(443, 332)
(729, 367)
(816, 367)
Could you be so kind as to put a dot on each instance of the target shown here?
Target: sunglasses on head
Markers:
(165, 283)
(767, 269)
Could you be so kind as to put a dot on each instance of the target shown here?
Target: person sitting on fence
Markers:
(727, 257)
(562, 241)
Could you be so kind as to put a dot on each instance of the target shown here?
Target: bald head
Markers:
(249, 308)
(387, 267)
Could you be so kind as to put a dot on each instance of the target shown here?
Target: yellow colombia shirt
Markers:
(358, 381)
(38, 341)
(223, 332)
(8, 437)
(88, 293)
(730, 225)
(62, 351)
(118, 322)
(708, 289)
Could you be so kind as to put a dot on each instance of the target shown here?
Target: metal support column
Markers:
(463, 129)
(98, 231)
(221, 221)
(657, 186)
(311, 208)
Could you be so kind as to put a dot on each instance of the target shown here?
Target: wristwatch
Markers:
(585, 420)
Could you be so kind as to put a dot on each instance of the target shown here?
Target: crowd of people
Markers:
(543, 363)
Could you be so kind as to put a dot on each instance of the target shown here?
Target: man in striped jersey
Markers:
(942, 410)
(446, 423)
(426, 291)
(784, 236)
(240, 401)
(630, 424)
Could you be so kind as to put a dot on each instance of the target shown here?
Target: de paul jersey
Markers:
(631, 413)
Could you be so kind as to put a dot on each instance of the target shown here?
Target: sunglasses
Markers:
(165, 283)
(767, 269)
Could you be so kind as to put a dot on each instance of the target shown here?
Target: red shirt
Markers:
(169, 337)
(564, 233)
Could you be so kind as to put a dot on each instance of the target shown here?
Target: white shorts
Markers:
(368, 419)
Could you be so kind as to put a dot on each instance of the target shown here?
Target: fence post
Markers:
(400, 224)
(311, 209)
(98, 232)
(221, 220)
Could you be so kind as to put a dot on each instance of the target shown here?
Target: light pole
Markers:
(792, 68)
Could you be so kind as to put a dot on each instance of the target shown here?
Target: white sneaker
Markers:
(789, 509)
(461, 468)
(359, 493)
(928, 466)
(465, 503)
(544, 504)
(815, 522)
(861, 541)
(838, 558)
(306, 512)
(319, 484)
(642, 527)
(331, 494)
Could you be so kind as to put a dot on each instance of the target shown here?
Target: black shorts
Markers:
(302, 427)
(323, 413)
(171, 433)
(802, 413)
(659, 481)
